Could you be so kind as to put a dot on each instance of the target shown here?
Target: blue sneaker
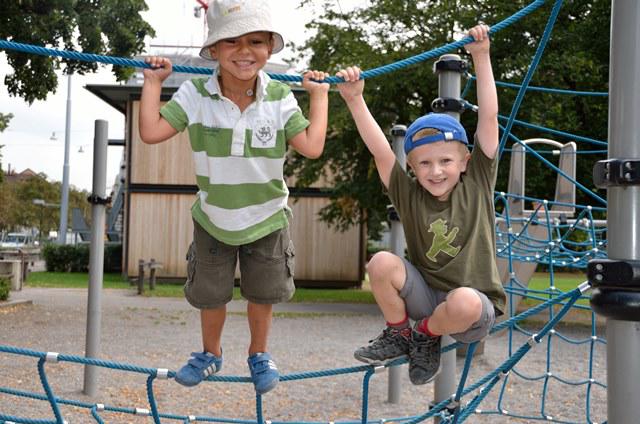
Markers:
(264, 373)
(200, 366)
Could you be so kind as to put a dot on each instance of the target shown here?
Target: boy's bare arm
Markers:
(310, 143)
(487, 130)
(372, 135)
(153, 127)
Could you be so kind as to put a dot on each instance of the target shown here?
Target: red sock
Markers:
(423, 327)
(400, 324)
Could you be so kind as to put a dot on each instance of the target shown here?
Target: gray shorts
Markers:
(266, 269)
(421, 300)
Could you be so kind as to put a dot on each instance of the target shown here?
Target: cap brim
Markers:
(278, 45)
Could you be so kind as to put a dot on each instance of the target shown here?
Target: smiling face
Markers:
(438, 166)
(241, 58)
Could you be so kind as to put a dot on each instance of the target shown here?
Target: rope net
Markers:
(554, 234)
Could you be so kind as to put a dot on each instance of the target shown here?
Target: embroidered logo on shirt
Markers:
(264, 134)
(442, 240)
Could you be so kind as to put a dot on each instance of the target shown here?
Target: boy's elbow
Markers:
(148, 137)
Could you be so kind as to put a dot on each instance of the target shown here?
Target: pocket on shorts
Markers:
(290, 258)
(191, 263)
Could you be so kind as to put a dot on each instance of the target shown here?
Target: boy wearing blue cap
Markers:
(450, 283)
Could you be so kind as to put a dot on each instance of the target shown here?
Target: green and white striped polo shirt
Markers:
(239, 157)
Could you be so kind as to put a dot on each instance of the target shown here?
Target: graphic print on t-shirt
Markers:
(442, 240)
(264, 134)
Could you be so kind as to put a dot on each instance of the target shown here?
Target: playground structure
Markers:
(518, 246)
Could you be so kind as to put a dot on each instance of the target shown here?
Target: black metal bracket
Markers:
(611, 273)
(96, 200)
(448, 104)
(616, 288)
(455, 65)
(616, 172)
(392, 214)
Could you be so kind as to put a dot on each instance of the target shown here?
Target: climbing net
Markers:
(538, 236)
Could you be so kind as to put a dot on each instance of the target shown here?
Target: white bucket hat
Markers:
(234, 18)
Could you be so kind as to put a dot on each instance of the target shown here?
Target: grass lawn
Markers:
(116, 281)
(540, 281)
(563, 282)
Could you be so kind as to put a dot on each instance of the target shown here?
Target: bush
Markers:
(113, 257)
(5, 287)
(70, 258)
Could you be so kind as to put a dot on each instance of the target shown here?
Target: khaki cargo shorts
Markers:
(266, 269)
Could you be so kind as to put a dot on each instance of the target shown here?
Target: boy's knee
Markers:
(464, 304)
(382, 264)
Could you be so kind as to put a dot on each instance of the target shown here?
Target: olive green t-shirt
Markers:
(452, 243)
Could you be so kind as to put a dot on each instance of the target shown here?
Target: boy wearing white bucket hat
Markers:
(240, 123)
(450, 283)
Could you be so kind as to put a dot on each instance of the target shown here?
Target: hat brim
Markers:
(278, 43)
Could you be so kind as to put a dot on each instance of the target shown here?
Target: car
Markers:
(16, 240)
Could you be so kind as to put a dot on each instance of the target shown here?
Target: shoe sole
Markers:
(268, 388)
(371, 361)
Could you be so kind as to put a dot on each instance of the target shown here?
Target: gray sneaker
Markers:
(391, 344)
(424, 357)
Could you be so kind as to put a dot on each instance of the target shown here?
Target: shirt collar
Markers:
(213, 87)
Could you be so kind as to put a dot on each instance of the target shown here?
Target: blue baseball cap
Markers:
(449, 130)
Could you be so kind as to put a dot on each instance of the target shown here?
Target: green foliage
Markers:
(70, 258)
(17, 208)
(385, 31)
(105, 27)
(66, 258)
(5, 288)
(113, 257)
(4, 123)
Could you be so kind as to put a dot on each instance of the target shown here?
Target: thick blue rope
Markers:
(87, 57)
(532, 68)
(580, 93)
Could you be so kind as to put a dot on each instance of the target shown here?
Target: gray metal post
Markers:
(398, 243)
(623, 210)
(96, 256)
(445, 382)
(64, 202)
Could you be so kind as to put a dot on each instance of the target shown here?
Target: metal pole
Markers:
(623, 206)
(64, 203)
(398, 243)
(445, 382)
(96, 256)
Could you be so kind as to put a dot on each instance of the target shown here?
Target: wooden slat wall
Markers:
(170, 162)
(323, 254)
(160, 227)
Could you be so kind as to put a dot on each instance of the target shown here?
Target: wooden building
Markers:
(159, 189)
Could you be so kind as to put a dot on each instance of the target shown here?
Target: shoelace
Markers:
(419, 349)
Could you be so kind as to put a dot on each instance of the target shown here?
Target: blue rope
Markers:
(49, 392)
(550, 90)
(532, 68)
(87, 57)
(555, 132)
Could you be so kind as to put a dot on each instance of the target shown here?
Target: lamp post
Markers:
(64, 206)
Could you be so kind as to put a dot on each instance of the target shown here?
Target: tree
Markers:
(386, 31)
(106, 27)
(4, 123)
(17, 208)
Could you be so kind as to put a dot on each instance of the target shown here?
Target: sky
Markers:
(28, 141)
